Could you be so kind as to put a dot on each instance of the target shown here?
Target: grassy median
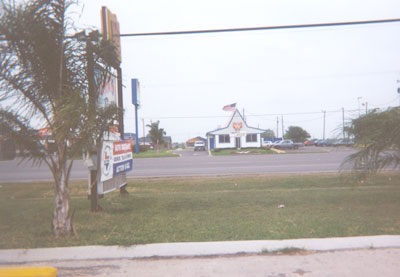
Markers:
(246, 151)
(154, 154)
(207, 209)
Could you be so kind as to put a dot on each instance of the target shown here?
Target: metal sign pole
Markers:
(137, 129)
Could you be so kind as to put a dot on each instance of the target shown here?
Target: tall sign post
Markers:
(113, 160)
(110, 31)
(136, 102)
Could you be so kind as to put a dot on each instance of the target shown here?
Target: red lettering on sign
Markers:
(122, 147)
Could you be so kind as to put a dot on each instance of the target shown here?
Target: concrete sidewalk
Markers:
(192, 249)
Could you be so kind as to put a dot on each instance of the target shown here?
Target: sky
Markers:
(272, 75)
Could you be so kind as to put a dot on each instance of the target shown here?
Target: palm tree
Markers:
(156, 134)
(44, 79)
(378, 135)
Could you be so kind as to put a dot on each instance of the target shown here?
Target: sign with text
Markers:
(110, 29)
(135, 86)
(116, 160)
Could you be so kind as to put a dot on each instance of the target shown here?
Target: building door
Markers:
(212, 143)
(238, 143)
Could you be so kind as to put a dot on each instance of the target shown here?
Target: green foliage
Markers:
(154, 154)
(207, 209)
(268, 134)
(243, 151)
(297, 134)
(44, 77)
(45, 82)
(378, 134)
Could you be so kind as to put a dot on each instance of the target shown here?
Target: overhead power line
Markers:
(279, 27)
(228, 116)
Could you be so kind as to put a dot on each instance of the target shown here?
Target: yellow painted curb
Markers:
(278, 151)
(28, 272)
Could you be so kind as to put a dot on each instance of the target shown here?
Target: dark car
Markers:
(319, 142)
(324, 142)
(343, 142)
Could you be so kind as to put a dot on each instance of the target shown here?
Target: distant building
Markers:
(148, 143)
(190, 142)
(130, 136)
(167, 142)
(237, 134)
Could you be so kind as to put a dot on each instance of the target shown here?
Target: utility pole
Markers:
(323, 136)
(277, 127)
(144, 136)
(398, 91)
(283, 129)
(359, 109)
(93, 173)
(343, 122)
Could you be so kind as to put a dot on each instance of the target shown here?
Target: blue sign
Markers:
(272, 139)
(122, 167)
(135, 92)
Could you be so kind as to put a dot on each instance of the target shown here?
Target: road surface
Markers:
(192, 163)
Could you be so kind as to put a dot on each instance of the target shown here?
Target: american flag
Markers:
(231, 107)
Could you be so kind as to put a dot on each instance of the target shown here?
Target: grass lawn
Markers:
(154, 154)
(206, 209)
(245, 151)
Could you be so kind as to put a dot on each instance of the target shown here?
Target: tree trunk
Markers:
(62, 222)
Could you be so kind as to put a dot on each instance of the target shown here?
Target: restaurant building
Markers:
(237, 134)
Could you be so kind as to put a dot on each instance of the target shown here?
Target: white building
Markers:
(237, 134)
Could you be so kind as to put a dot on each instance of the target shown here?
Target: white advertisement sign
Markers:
(116, 159)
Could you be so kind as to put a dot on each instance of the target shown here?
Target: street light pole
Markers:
(277, 127)
(398, 91)
(323, 137)
(343, 123)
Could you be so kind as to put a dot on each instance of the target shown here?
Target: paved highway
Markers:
(197, 164)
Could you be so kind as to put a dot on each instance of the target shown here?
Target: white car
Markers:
(199, 146)
(267, 144)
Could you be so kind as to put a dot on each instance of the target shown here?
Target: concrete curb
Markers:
(192, 249)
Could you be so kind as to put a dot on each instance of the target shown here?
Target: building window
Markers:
(224, 139)
(251, 138)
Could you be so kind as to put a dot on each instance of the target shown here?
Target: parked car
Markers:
(199, 146)
(310, 142)
(319, 142)
(286, 144)
(267, 144)
(324, 142)
(343, 142)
